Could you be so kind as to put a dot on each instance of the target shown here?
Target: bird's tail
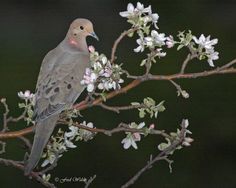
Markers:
(43, 132)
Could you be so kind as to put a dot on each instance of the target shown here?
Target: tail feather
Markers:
(43, 132)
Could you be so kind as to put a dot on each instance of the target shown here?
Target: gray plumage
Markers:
(58, 84)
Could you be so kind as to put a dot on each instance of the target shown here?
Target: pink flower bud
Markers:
(152, 126)
(91, 49)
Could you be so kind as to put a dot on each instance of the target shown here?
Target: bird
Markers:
(58, 85)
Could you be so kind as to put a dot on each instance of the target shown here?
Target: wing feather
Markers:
(58, 84)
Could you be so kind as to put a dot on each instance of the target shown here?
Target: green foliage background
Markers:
(29, 29)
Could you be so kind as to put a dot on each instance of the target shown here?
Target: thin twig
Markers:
(5, 114)
(122, 127)
(7, 119)
(117, 109)
(230, 64)
(26, 141)
(118, 40)
(20, 117)
(186, 61)
(161, 156)
(132, 85)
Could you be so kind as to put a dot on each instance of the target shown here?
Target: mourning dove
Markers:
(58, 84)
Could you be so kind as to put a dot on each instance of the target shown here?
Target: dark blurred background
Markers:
(29, 29)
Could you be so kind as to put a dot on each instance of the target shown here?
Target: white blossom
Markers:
(129, 12)
(69, 143)
(26, 95)
(155, 39)
(170, 41)
(141, 46)
(159, 38)
(212, 55)
(89, 79)
(132, 138)
(73, 132)
(129, 141)
(154, 17)
(205, 42)
(140, 7)
(102, 74)
(132, 11)
(149, 42)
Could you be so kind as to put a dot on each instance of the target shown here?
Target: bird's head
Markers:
(80, 29)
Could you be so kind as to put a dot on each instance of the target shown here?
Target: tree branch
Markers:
(118, 40)
(226, 69)
(122, 127)
(117, 109)
(161, 156)
(19, 165)
(186, 61)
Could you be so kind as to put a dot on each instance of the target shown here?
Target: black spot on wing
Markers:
(48, 90)
(56, 90)
(69, 86)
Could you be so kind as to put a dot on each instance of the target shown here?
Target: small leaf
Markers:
(21, 105)
(143, 62)
(103, 95)
(180, 46)
(142, 113)
(131, 34)
(163, 146)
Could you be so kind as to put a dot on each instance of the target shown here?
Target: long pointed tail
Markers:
(43, 132)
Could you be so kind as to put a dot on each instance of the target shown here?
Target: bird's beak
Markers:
(93, 34)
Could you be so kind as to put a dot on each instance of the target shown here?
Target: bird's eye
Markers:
(81, 27)
(75, 34)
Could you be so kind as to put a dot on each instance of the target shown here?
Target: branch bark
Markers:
(19, 165)
(226, 69)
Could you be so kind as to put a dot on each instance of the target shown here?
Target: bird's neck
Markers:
(73, 45)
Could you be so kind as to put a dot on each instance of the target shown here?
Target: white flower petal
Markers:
(138, 49)
(45, 163)
(126, 142)
(100, 86)
(133, 143)
(141, 125)
(70, 144)
(90, 87)
(130, 7)
(139, 6)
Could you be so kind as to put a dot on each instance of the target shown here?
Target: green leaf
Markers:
(131, 34)
(21, 105)
(103, 95)
(143, 62)
(180, 46)
(163, 146)
(142, 113)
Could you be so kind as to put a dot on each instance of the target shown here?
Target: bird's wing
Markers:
(58, 84)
